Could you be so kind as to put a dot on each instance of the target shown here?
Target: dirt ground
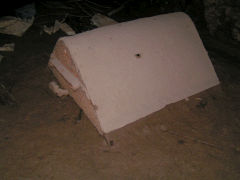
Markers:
(41, 137)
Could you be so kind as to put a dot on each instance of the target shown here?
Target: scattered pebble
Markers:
(57, 26)
(111, 142)
(14, 26)
(64, 118)
(237, 149)
(181, 141)
(163, 128)
(202, 104)
(7, 47)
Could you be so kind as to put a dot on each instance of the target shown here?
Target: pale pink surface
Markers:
(173, 65)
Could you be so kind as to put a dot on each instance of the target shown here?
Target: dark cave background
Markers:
(220, 18)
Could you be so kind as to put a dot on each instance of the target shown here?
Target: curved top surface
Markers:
(134, 68)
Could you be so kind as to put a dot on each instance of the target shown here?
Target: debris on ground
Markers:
(64, 118)
(114, 11)
(57, 90)
(79, 117)
(7, 47)
(77, 14)
(66, 28)
(14, 26)
(26, 12)
(100, 20)
(44, 137)
(163, 128)
(202, 103)
(180, 141)
(57, 26)
(50, 30)
(75, 8)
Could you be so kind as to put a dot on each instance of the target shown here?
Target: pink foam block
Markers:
(132, 69)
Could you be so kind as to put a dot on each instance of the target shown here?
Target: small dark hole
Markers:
(138, 55)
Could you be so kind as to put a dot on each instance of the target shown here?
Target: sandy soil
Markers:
(42, 137)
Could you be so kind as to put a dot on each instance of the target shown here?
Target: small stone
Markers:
(180, 141)
(202, 104)
(163, 128)
(7, 47)
(64, 118)
(237, 149)
(111, 142)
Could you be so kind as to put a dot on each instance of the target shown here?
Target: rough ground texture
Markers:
(41, 136)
